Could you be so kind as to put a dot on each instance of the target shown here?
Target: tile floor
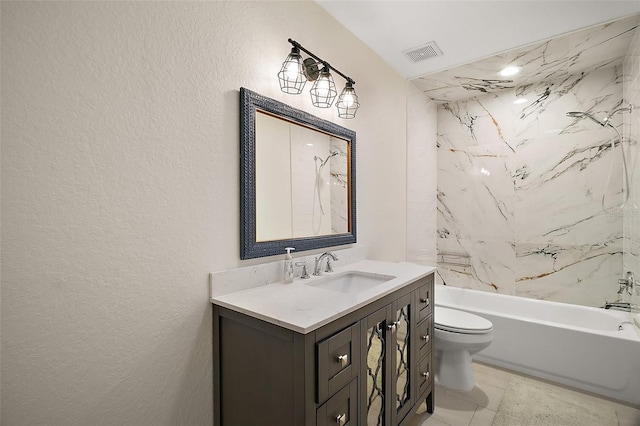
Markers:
(479, 407)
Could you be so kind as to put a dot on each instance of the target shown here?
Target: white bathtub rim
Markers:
(630, 331)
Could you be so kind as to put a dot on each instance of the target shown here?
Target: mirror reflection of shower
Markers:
(319, 185)
(606, 122)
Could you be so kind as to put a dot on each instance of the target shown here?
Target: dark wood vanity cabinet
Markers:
(369, 367)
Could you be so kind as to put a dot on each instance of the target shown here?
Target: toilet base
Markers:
(454, 370)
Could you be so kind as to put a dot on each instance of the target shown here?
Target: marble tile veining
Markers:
(631, 212)
(522, 186)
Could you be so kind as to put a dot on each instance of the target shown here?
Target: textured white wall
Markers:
(120, 192)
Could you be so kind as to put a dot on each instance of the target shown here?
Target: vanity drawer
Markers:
(424, 300)
(340, 409)
(425, 336)
(424, 374)
(338, 361)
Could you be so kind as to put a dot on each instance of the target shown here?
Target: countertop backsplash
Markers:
(232, 280)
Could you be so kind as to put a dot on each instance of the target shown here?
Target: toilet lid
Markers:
(460, 322)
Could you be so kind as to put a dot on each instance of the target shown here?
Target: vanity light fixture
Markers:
(295, 73)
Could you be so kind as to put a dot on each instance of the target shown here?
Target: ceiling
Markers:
(466, 30)
(583, 51)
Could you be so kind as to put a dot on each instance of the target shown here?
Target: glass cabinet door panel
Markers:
(375, 374)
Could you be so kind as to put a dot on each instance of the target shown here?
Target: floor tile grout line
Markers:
(474, 414)
(486, 419)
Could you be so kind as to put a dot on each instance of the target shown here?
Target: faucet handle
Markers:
(305, 274)
(623, 285)
(329, 267)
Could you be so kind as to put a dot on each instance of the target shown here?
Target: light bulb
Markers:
(293, 70)
(291, 79)
(323, 91)
(347, 100)
(323, 87)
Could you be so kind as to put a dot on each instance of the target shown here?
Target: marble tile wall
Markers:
(338, 187)
(310, 207)
(631, 95)
(520, 190)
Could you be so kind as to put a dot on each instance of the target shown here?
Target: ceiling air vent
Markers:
(429, 50)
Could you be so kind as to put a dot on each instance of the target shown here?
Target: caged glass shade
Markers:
(323, 91)
(291, 75)
(348, 102)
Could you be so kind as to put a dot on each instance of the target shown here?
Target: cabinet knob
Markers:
(341, 420)
(425, 375)
(425, 338)
(392, 327)
(424, 300)
(343, 360)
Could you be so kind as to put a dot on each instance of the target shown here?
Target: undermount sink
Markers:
(350, 282)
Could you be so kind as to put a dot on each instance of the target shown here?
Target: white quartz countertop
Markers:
(303, 307)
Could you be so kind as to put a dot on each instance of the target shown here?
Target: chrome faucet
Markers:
(330, 256)
(628, 284)
(622, 306)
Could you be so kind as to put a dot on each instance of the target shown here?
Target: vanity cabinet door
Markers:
(387, 392)
(401, 354)
(374, 369)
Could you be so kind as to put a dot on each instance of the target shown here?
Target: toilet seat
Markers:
(455, 321)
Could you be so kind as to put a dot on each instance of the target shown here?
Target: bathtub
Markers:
(573, 345)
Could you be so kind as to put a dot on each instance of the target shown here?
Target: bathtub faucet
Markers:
(628, 284)
(622, 306)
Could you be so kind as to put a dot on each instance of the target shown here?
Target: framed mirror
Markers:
(297, 179)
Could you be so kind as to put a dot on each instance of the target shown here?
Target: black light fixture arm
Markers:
(317, 58)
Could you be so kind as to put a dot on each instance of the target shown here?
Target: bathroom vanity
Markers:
(349, 348)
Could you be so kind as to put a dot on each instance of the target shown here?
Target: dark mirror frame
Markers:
(249, 247)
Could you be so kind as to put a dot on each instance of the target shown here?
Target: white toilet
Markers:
(458, 335)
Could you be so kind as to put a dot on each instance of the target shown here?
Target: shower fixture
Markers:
(317, 188)
(323, 162)
(603, 123)
(580, 114)
(606, 123)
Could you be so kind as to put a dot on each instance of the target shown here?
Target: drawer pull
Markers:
(341, 420)
(425, 338)
(343, 360)
(425, 375)
(392, 327)
(425, 301)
